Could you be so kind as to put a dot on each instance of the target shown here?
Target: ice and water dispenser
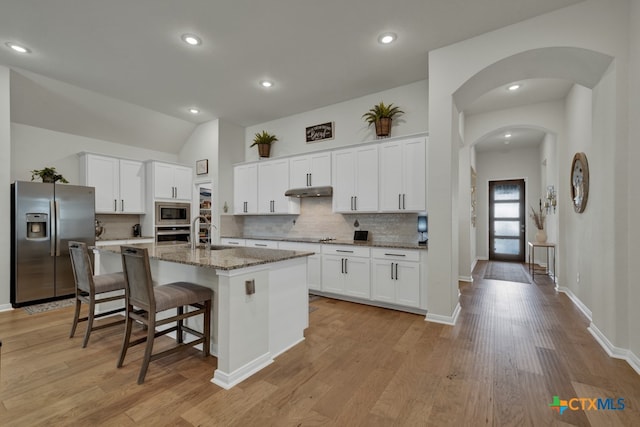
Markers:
(37, 224)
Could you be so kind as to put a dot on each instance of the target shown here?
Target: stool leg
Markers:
(206, 346)
(147, 352)
(76, 316)
(127, 336)
(90, 317)
(179, 335)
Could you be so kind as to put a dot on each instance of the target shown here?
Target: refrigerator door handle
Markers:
(52, 232)
(57, 215)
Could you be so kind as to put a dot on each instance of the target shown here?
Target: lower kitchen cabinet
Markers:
(314, 272)
(396, 277)
(346, 271)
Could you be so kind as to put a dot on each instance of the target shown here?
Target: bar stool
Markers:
(88, 287)
(150, 300)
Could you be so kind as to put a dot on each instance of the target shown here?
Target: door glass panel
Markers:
(506, 192)
(507, 210)
(507, 228)
(507, 246)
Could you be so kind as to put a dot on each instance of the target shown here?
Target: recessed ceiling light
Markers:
(194, 110)
(514, 87)
(386, 38)
(266, 83)
(18, 48)
(191, 39)
(507, 135)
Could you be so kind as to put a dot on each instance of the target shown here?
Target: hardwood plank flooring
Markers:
(515, 346)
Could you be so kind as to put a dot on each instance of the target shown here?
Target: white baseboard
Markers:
(445, 320)
(5, 307)
(228, 380)
(583, 308)
(465, 279)
(613, 351)
(609, 348)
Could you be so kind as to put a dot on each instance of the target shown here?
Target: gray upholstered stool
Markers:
(89, 286)
(141, 294)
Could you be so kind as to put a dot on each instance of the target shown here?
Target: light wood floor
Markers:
(514, 347)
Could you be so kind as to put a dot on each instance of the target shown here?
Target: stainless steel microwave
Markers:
(168, 213)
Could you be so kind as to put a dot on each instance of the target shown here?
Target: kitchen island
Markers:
(260, 305)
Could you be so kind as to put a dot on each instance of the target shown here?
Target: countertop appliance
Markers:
(44, 218)
(137, 231)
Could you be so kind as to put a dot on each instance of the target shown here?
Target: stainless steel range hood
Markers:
(326, 191)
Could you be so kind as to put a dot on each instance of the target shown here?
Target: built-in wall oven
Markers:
(173, 222)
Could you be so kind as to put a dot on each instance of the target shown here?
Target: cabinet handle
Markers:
(115, 205)
(345, 266)
(121, 205)
(395, 254)
(344, 251)
(391, 271)
(355, 203)
(342, 265)
(260, 244)
(396, 271)
(403, 200)
(399, 196)
(310, 180)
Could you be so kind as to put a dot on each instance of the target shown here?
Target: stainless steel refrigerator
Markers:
(44, 218)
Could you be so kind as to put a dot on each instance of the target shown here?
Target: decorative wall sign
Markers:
(319, 132)
(202, 167)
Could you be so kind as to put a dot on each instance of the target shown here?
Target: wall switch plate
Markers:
(250, 287)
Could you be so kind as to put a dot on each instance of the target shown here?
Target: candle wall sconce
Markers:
(550, 201)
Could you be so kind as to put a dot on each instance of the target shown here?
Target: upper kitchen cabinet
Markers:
(273, 182)
(312, 170)
(119, 183)
(355, 179)
(245, 189)
(171, 181)
(403, 166)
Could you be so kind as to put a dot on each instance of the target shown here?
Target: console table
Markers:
(548, 247)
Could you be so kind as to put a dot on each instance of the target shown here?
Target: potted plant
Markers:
(382, 115)
(263, 141)
(48, 175)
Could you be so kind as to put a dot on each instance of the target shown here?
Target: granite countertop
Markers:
(219, 258)
(371, 244)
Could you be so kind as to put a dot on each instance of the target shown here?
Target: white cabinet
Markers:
(346, 270)
(396, 277)
(403, 175)
(355, 179)
(171, 181)
(119, 183)
(314, 272)
(245, 189)
(273, 182)
(313, 170)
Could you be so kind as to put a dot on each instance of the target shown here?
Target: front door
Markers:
(507, 220)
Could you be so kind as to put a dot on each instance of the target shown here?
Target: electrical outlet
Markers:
(250, 287)
(578, 278)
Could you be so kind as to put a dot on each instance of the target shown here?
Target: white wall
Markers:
(35, 148)
(591, 26)
(510, 163)
(634, 176)
(5, 189)
(349, 127)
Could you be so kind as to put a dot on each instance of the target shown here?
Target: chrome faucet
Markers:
(195, 232)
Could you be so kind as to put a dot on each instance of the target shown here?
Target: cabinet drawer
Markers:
(346, 250)
(234, 242)
(395, 254)
(262, 244)
(297, 246)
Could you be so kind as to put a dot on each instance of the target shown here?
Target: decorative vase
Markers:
(264, 150)
(541, 236)
(383, 127)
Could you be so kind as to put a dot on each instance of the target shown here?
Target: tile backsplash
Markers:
(119, 226)
(317, 220)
